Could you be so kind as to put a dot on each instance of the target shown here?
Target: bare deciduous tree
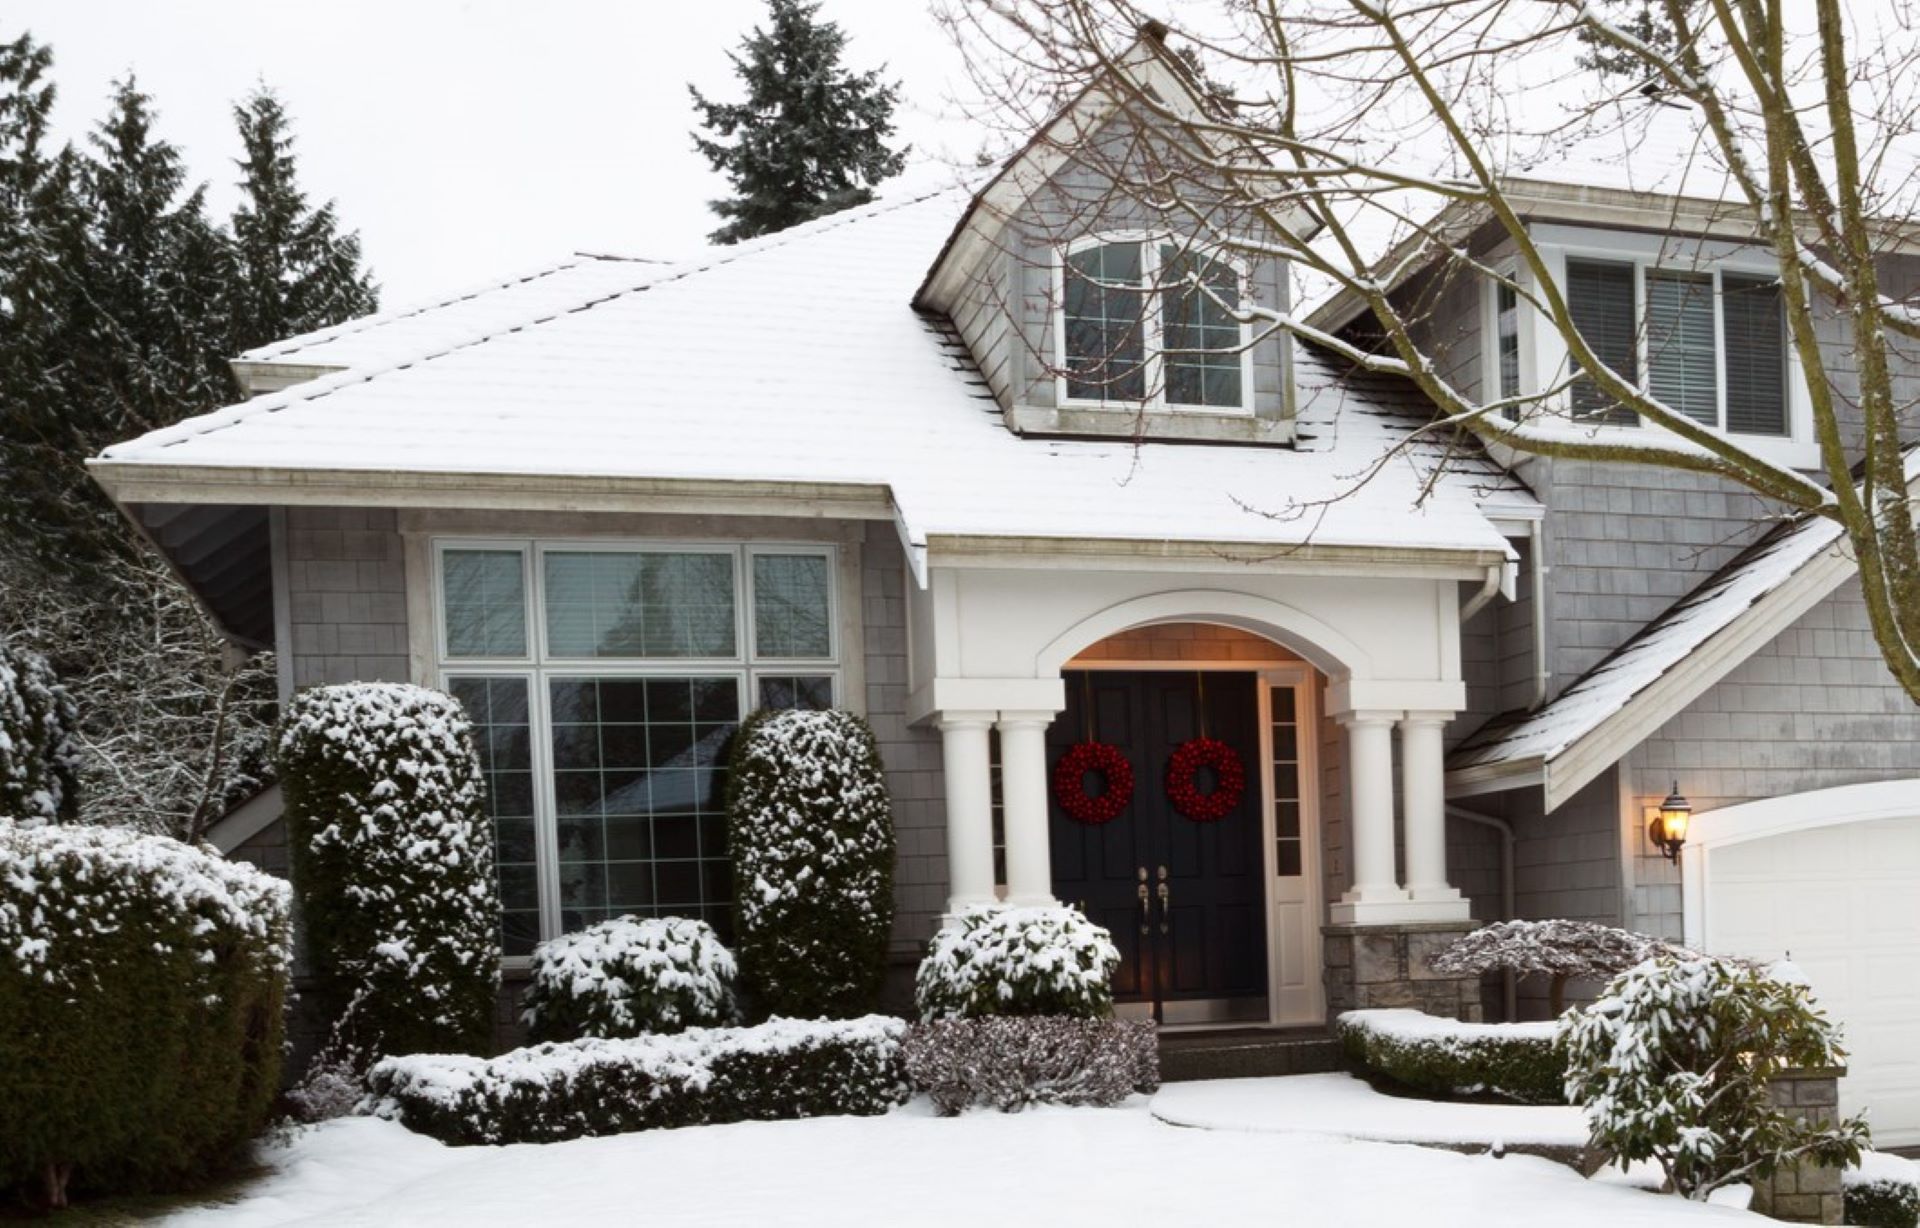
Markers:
(1390, 151)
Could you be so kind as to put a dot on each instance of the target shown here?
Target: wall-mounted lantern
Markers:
(1668, 831)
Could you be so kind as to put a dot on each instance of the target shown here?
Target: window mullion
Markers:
(1152, 326)
(1719, 351)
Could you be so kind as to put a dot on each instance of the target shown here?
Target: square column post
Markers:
(969, 785)
(1023, 795)
(1370, 790)
(1424, 802)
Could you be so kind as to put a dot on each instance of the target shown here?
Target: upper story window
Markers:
(1699, 325)
(1147, 320)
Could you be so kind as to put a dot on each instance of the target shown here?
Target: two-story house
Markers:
(939, 462)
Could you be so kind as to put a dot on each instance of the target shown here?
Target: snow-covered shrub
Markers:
(628, 976)
(1673, 1064)
(1010, 1063)
(330, 1087)
(1562, 950)
(393, 862)
(38, 759)
(997, 960)
(781, 1070)
(1444, 1057)
(1883, 1191)
(811, 830)
(141, 990)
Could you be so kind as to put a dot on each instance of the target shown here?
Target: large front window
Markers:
(605, 682)
(1151, 321)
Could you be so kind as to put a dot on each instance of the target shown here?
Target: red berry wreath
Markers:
(1183, 772)
(1070, 782)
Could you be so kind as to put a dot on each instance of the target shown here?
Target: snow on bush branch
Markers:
(810, 825)
(39, 763)
(1563, 950)
(627, 976)
(996, 960)
(393, 861)
(1674, 1064)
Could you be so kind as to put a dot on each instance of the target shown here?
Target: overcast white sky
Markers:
(465, 138)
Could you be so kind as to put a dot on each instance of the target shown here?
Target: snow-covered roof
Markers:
(386, 337)
(1663, 667)
(798, 359)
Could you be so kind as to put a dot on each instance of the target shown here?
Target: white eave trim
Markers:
(246, 820)
(1159, 554)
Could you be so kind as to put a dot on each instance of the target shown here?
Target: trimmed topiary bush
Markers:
(627, 976)
(781, 1070)
(1009, 1063)
(997, 960)
(393, 863)
(1883, 1192)
(811, 831)
(1444, 1057)
(39, 764)
(141, 989)
(1675, 1063)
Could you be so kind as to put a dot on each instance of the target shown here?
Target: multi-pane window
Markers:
(604, 684)
(1707, 343)
(1150, 321)
(1288, 837)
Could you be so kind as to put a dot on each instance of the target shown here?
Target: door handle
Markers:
(1166, 901)
(1145, 904)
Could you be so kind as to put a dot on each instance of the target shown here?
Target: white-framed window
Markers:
(1148, 319)
(605, 680)
(1701, 327)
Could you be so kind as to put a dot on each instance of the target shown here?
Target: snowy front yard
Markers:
(1052, 1166)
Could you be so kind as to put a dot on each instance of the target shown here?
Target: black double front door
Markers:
(1182, 897)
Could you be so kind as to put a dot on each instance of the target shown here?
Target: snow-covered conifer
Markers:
(811, 831)
(393, 864)
(38, 760)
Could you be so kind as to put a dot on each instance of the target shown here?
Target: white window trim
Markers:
(1152, 346)
(538, 669)
(1542, 349)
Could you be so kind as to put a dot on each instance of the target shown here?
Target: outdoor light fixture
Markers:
(1668, 830)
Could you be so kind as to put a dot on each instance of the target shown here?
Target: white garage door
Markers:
(1843, 902)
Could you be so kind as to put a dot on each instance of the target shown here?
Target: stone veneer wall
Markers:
(1382, 966)
(1806, 1193)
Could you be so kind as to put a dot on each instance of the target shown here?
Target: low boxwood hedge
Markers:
(142, 982)
(780, 1070)
(629, 976)
(999, 960)
(1445, 1058)
(1010, 1062)
(1883, 1192)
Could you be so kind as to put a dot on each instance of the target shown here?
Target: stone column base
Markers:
(1806, 1193)
(1374, 966)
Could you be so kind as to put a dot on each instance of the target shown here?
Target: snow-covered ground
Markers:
(1343, 1105)
(1047, 1166)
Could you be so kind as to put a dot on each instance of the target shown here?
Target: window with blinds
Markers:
(1600, 297)
(1756, 355)
(1682, 366)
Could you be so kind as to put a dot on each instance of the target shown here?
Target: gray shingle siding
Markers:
(346, 595)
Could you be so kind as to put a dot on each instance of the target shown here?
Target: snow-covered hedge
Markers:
(39, 763)
(628, 976)
(1882, 1192)
(811, 831)
(393, 862)
(1559, 950)
(1444, 1057)
(782, 1069)
(141, 987)
(996, 960)
(1010, 1063)
(1674, 1063)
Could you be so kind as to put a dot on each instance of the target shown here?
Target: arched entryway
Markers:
(1216, 915)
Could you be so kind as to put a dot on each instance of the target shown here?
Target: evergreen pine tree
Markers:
(809, 140)
(297, 272)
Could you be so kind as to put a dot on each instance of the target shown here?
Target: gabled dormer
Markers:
(1094, 313)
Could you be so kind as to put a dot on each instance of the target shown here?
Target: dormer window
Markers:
(1148, 320)
(1698, 324)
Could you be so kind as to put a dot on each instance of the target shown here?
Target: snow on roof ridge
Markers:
(312, 390)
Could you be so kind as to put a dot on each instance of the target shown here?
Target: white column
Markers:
(968, 771)
(1424, 803)
(1370, 803)
(1023, 796)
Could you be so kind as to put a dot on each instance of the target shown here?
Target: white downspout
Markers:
(1509, 988)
